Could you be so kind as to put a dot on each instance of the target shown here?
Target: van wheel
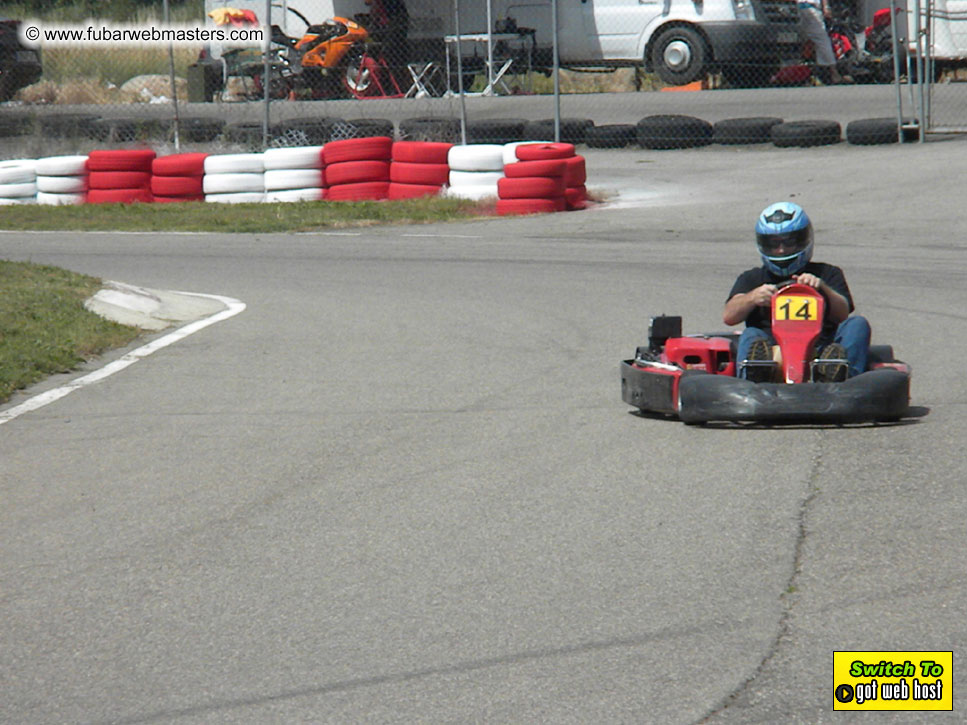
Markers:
(679, 55)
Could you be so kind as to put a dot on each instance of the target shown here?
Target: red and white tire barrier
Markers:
(523, 191)
(18, 182)
(357, 169)
(475, 170)
(294, 174)
(526, 176)
(234, 178)
(62, 179)
(119, 176)
(178, 177)
(418, 168)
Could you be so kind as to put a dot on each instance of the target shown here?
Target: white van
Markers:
(680, 40)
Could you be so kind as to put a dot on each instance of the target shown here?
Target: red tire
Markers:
(118, 180)
(120, 160)
(176, 185)
(531, 187)
(506, 207)
(412, 191)
(178, 199)
(118, 196)
(357, 172)
(376, 148)
(546, 167)
(577, 172)
(576, 197)
(538, 151)
(421, 152)
(426, 174)
(179, 165)
(366, 191)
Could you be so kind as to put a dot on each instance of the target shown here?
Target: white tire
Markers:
(243, 197)
(476, 178)
(235, 164)
(314, 194)
(295, 157)
(17, 191)
(4, 201)
(476, 157)
(62, 184)
(475, 192)
(19, 171)
(233, 183)
(59, 199)
(510, 150)
(281, 179)
(61, 166)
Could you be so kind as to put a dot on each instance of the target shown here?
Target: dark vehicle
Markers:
(694, 378)
(19, 65)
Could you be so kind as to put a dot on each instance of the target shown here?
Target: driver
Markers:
(784, 236)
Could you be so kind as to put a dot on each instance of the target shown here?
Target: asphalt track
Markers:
(401, 486)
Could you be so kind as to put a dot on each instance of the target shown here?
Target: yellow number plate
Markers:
(796, 309)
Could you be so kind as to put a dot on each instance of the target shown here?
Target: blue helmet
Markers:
(784, 235)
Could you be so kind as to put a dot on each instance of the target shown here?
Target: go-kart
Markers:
(694, 377)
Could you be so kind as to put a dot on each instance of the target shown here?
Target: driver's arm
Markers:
(739, 306)
(837, 306)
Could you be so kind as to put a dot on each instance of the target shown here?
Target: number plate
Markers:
(787, 37)
(796, 309)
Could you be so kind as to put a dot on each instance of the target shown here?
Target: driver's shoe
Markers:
(835, 366)
(759, 351)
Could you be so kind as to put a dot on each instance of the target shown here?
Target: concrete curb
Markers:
(149, 309)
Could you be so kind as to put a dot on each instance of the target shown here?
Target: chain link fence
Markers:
(457, 70)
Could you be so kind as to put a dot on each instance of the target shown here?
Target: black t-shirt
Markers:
(761, 317)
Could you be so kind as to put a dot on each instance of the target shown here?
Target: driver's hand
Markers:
(762, 295)
(808, 279)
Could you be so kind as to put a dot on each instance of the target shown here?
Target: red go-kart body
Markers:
(695, 377)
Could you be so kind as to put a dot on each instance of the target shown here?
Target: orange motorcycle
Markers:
(337, 58)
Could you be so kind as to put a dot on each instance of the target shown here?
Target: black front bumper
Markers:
(753, 43)
(875, 395)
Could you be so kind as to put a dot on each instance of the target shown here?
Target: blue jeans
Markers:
(853, 333)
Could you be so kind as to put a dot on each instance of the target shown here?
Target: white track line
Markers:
(46, 398)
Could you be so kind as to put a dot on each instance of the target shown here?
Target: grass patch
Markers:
(44, 328)
(238, 218)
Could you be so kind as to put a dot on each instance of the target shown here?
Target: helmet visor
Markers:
(785, 244)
